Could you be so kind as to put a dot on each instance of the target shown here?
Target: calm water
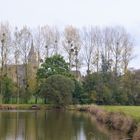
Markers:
(52, 125)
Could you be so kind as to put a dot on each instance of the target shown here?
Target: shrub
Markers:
(58, 89)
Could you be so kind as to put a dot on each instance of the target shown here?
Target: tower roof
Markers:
(32, 51)
(32, 56)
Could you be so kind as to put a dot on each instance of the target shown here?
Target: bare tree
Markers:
(106, 46)
(116, 46)
(39, 43)
(98, 43)
(88, 47)
(47, 40)
(55, 40)
(17, 54)
(127, 52)
(25, 44)
(71, 43)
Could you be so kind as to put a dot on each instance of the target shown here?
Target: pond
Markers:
(53, 125)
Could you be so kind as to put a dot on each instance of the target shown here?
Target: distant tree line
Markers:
(103, 54)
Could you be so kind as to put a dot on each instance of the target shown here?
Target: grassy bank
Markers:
(121, 118)
(132, 111)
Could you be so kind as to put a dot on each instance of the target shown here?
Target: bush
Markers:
(58, 89)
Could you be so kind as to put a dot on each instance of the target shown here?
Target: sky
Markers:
(78, 13)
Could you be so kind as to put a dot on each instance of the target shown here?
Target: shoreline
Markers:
(115, 120)
(25, 107)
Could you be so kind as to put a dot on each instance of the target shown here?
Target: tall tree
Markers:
(55, 40)
(47, 34)
(127, 52)
(17, 55)
(25, 44)
(71, 44)
(39, 43)
(90, 47)
(5, 36)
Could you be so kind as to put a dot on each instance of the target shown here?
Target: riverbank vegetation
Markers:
(30, 56)
(118, 120)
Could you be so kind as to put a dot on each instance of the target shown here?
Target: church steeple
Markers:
(32, 56)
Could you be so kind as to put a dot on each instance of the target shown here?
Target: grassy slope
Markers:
(133, 111)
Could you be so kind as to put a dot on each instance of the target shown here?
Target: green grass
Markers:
(133, 111)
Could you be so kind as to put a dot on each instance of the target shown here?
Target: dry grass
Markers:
(137, 134)
(121, 122)
(116, 120)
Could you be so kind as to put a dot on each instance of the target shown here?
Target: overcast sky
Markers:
(75, 12)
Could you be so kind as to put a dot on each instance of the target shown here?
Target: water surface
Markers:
(52, 125)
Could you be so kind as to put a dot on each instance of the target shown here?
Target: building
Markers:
(18, 72)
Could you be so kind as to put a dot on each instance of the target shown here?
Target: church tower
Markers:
(32, 57)
(32, 68)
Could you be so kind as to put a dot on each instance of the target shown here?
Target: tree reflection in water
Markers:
(52, 125)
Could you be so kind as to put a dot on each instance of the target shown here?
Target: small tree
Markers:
(8, 89)
(58, 89)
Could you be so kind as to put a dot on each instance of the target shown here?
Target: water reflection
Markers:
(51, 125)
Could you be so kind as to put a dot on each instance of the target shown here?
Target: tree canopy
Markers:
(58, 89)
(53, 65)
